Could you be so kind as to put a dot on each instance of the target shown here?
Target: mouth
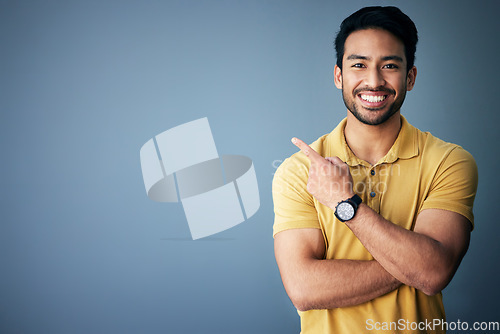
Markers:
(373, 99)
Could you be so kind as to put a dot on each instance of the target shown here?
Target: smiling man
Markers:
(373, 219)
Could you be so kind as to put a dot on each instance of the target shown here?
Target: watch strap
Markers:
(356, 199)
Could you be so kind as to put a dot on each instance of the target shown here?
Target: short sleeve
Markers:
(293, 205)
(455, 184)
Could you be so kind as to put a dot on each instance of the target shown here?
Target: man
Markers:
(373, 219)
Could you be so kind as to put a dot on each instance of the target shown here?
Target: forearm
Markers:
(327, 284)
(413, 258)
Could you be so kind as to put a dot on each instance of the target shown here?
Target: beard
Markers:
(376, 119)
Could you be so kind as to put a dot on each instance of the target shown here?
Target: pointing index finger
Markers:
(306, 149)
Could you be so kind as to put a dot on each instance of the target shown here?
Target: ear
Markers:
(410, 79)
(337, 77)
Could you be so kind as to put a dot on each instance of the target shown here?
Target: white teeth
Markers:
(371, 98)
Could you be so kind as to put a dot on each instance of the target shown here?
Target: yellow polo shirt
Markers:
(419, 172)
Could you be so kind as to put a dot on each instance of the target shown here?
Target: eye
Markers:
(391, 66)
(358, 65)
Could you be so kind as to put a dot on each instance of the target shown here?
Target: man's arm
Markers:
(426, 258)
(314, 283)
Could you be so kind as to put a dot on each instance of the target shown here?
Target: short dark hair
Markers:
(387, 18)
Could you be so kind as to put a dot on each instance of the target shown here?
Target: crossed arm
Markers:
(425, 258)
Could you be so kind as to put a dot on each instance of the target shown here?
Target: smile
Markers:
(373, 98)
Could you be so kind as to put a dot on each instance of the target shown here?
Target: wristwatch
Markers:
(346, 210)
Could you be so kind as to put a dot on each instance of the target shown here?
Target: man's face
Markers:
(373, 78)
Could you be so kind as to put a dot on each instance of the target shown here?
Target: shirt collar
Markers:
(405, 146)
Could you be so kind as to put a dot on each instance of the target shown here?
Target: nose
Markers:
(374, 78)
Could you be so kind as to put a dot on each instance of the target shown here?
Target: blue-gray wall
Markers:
(84, 84)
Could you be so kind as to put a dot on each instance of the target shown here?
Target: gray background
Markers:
(84, 84)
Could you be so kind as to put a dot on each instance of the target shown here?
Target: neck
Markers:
(371, 142)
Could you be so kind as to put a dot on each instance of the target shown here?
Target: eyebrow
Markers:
(393, 57)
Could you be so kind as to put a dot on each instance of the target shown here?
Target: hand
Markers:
(329, 178)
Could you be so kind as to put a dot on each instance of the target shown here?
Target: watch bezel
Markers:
(353, 202)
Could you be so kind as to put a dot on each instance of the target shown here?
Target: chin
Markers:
(374, 119)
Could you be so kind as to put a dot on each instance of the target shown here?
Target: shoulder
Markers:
(447, 166)
(451, 176)
(437, 151)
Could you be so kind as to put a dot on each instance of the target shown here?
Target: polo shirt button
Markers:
(372, 172)
(372, 194)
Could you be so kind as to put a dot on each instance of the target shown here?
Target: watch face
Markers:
(345, 211)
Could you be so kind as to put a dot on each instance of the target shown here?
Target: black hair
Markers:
(387, 18)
